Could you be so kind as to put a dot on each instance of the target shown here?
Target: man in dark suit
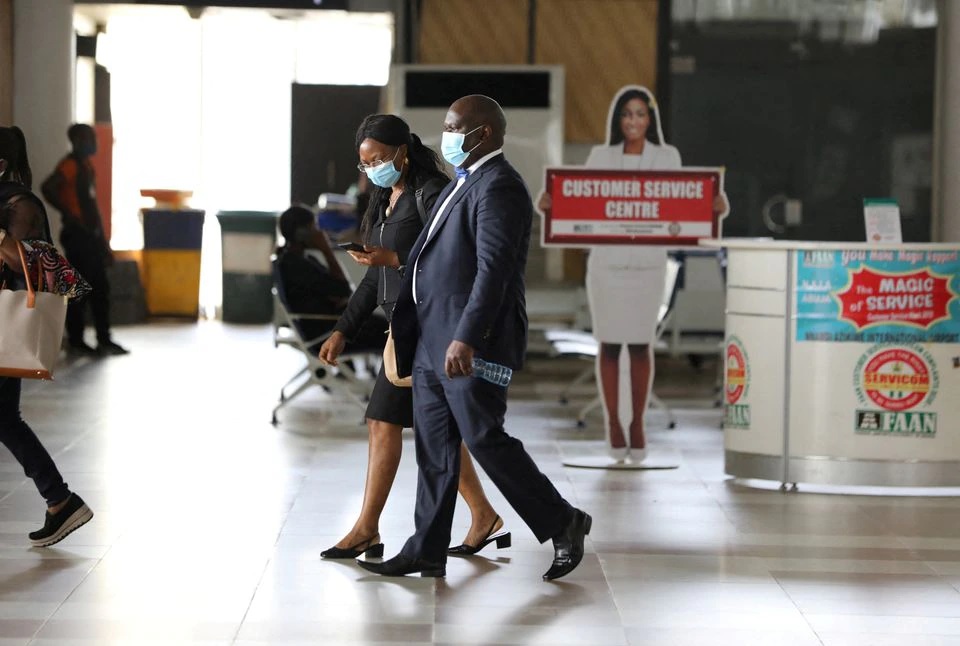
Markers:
(463, 297)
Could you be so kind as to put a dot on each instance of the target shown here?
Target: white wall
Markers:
(43, 52)
(947, 172)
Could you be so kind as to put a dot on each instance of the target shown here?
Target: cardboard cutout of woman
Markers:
(625, 283)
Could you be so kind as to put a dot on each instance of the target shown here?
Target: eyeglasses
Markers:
(363, 168)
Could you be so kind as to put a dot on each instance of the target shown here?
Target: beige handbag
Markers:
(31, 328)
(390, 364)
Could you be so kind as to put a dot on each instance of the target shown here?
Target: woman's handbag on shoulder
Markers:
(31, 328)
(390, 364)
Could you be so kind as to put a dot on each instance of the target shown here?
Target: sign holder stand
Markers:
(612, 464)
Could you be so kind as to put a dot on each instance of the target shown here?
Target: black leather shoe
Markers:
(107, 348)
(568, 546)
(402, 565)
(503, 540)
(367, 547)
(81, 348)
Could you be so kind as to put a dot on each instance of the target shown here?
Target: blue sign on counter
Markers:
(880, 296)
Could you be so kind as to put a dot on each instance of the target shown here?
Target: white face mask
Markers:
(451, 145)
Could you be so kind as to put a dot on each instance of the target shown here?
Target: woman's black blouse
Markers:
(381, 285)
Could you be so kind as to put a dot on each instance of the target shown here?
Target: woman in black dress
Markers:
(399, 165)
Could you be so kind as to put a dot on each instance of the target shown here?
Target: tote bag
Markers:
(31, 329)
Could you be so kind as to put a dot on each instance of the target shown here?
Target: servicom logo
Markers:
(892, 382)
(736, 412)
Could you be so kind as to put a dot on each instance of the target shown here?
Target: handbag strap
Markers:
(31, 292)
(421, 208)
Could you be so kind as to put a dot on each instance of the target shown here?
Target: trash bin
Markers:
(248, 239)
(172, 240)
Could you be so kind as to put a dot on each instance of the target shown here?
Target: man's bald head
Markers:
(483, 118)
(482, 110)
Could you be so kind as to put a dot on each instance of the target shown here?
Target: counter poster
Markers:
(878, 296)
(896, 387)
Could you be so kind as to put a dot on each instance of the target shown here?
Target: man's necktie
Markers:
(461, 172)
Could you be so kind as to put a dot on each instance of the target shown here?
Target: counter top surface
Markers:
(770, 244)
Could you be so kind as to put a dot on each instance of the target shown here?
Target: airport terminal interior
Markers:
(209, 523)
(799, 482)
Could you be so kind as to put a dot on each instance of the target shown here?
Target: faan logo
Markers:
(818, 258)
(737, 414)
(874, 422)
(897, 380)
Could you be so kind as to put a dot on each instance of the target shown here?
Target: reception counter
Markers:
(842, 363)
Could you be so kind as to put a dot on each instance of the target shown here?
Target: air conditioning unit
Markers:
(531, 97)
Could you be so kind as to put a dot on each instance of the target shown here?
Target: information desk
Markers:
(842, 362)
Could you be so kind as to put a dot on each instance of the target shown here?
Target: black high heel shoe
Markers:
(503, 540)
(374, 551)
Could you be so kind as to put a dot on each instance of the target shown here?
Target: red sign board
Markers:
(609, 207)
(921, 298)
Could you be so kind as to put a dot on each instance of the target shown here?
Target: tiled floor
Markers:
(209, 524)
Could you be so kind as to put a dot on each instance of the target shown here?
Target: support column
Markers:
(6, 62)
(43, 59)
(946, 218)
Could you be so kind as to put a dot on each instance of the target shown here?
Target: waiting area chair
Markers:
(287, 330)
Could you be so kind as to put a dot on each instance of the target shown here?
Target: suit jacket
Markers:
(470, 273)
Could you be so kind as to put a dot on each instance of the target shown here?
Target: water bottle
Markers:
(492, 372)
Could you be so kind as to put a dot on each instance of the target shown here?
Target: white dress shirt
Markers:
(433, 223)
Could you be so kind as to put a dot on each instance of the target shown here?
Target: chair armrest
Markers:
(568, 335)
(577, 347)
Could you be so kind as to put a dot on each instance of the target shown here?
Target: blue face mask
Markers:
(385, 175)
(451, 145)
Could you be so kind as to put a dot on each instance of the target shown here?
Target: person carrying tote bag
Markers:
(29, 257)
(35, 283)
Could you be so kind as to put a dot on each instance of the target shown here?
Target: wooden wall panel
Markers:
(467, 32)
(6, 62)
(604, 45)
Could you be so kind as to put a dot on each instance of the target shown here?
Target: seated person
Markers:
(315, 287)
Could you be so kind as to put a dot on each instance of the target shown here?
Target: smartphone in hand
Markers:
(351, 246)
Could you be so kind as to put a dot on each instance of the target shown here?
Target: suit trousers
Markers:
(470, 409)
